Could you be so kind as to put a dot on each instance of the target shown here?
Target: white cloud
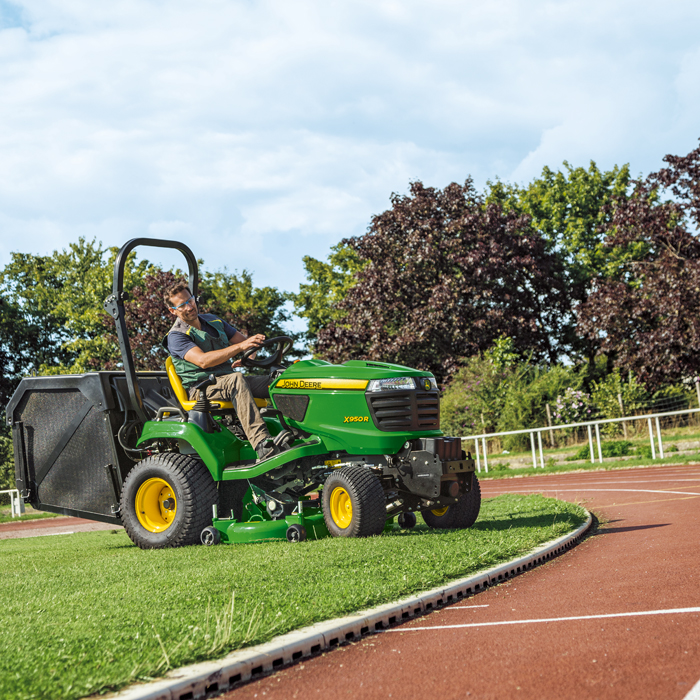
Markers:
(263, 131)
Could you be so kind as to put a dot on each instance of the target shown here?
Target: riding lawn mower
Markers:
(362, 448)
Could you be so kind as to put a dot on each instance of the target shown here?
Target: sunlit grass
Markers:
(89, 612)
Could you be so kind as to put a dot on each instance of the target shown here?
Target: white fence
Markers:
(16, 502)
(654, 435)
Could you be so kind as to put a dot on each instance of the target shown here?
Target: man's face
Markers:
(187, 310)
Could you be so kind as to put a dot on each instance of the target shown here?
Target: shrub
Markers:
(7, 466)
(574, 406)
(606, 395)
(616, 448)
(527, 397)
(644, 451)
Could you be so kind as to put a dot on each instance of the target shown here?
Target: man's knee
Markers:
(228, 385)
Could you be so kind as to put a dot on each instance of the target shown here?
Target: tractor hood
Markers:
(359, 407)
(353, 374)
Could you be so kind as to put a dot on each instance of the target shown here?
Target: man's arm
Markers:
(238, 343)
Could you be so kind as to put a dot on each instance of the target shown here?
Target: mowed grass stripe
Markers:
(91, 612)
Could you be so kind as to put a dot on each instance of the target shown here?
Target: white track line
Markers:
(674, 611)
(694, 693)
(616, 481)
(585, 490)
(465, 607)
(624, 481)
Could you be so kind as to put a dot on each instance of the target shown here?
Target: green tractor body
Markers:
(363, 439)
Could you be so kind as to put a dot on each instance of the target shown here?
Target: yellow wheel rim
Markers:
(341, 507)
(156, 505)
(440, 511)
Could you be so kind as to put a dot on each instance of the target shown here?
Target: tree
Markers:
(248, 308)
(571, 210)
(230, 296)
(147, 322)
(329, 283)
(645, 313)
(444, 274)
(56, 301)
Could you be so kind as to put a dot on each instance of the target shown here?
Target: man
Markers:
(203, 344)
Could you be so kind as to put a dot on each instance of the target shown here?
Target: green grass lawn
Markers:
(91, 612)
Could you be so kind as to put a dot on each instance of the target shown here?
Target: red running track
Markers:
(41, 527)
(618, 616)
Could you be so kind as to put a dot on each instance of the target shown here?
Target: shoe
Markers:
(268, 449)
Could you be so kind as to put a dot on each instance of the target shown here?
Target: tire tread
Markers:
(371, 504)
(199, 492)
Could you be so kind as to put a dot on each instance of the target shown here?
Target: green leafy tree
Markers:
(250, 309)
(57, 300)
(607, 393)
(526, 399)
(328, 284)
(7, 465)
(475, 398)
(571, 209)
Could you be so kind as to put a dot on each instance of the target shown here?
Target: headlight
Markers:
(403, 383)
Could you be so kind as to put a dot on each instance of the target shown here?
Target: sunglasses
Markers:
(191, 300)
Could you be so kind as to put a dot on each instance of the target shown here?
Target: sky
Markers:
(258, 132)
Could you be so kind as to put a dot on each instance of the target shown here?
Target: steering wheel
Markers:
(283, 343)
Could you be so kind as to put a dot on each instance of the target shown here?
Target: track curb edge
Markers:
(210, 677)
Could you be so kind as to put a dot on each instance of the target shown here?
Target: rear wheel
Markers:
(460, 515)
(353, 503)
(167, 501)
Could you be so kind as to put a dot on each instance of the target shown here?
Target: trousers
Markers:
(241, 391)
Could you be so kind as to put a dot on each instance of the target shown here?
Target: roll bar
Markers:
(114, 306)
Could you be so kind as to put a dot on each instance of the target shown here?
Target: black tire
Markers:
(354, 503)
(210, 536)
(461, 515)
(158, 521)
(466, 510)
(439, 518)
(296, 533)
(407, 521)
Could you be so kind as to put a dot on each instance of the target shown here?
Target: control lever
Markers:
(203, 404)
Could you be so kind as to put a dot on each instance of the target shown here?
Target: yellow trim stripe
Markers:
(312, 384)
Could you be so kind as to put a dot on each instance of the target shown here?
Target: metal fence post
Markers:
(590, 445)
(16, 502)
(539, 443)
(597, 439)
(486, 459)
(651, 439)
(476, 449)
(534, 456)
(658, 432)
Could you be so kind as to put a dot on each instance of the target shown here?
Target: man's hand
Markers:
(255, 341)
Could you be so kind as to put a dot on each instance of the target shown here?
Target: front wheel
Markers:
(167, 501)
(353, 503)
(460, 515)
